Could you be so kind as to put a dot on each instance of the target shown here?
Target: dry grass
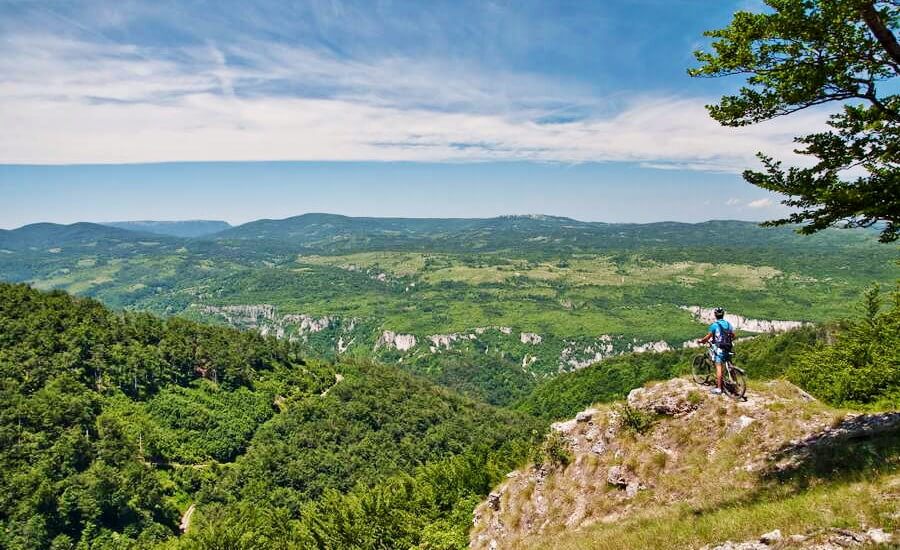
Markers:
(706, 481)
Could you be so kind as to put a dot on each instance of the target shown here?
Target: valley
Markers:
(517, 298)
(338, 382)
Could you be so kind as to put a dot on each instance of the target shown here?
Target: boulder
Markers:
(673, 398)
(772, 537)
(585, 415)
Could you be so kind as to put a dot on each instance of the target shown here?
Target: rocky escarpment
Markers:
(391, 340)
(707, 315)
(539, 354)
(668, 443)
(820, 539)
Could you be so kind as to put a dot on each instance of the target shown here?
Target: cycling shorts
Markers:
(719, 355)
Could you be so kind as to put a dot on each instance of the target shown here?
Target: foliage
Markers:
(861, 367)
(805, 53)
(113, 423)
(375, 422)
(567, 281)
(554, 452)
(634, 420)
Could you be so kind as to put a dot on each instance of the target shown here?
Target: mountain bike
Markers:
(703, 371)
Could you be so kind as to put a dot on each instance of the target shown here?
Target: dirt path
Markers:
(186, 518)
(338, 378)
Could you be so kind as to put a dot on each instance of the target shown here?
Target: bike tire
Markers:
(701, 370)
(737, 384)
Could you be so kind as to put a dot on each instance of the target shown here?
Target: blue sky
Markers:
(241, 110)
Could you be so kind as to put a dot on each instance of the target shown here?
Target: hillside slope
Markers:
(113, 425)
(674, 467)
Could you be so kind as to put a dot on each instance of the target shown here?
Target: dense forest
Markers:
(114, 423)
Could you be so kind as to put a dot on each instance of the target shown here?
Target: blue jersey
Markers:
(719, 328)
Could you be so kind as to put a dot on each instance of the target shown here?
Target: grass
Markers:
(584, 270)
(847, 505)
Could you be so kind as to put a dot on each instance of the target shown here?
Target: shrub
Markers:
(554, 451)
(634, 420)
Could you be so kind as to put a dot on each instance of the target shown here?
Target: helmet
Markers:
(719, 312)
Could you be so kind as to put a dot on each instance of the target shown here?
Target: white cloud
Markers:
(733, 202)
(65, 101)
(761, 203)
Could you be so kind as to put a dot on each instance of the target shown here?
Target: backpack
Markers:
(724, 338)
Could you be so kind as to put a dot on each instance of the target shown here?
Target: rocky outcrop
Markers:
(241, 314)
(308, 323)
(674, 398)
(530, 338)
(266, 320)
(707, 315)
(693, 441)
(656, 347)
(446, 341)
(391, 340)
(823, 539)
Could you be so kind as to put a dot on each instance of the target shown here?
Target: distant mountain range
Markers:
(185, 228)
(331, 233)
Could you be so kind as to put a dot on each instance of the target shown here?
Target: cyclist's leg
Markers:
(720, 359)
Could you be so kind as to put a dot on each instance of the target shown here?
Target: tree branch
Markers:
(883, 34)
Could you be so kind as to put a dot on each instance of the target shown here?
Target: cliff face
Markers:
(673, 446)
(707, 315)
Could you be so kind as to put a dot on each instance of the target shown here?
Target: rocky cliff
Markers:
(673, 449)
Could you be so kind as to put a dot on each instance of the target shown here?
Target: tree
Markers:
(803, 53)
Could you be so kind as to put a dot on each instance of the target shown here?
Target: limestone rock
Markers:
(391, 340)
(674, 398)
(741, 424)
(623, 478)
(707, 315)
(772, 537)
(585, 415)
(878, 536)
(494, 500)
(657, 347)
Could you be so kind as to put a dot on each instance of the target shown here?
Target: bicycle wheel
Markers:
(737, 383)
(701, 370)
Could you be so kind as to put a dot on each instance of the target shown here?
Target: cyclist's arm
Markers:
(705, 339)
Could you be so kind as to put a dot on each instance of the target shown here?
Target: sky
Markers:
(245, 110)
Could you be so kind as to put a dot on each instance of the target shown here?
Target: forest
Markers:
(115, 423)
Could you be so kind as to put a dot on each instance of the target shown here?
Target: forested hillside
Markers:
(113, 424)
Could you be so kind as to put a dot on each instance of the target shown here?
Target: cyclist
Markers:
(722, 334)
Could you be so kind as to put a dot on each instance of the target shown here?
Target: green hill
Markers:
(112, 424)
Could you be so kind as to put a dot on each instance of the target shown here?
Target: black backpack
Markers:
(724, 338)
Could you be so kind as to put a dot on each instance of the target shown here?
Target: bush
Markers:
(634, 420)
(862, 366)
(554, 451)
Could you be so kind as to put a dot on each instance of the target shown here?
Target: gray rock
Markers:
(632, 488)
(623, 478)
(585, 416)
(878, 536)
(772, 537)
(494, 500)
